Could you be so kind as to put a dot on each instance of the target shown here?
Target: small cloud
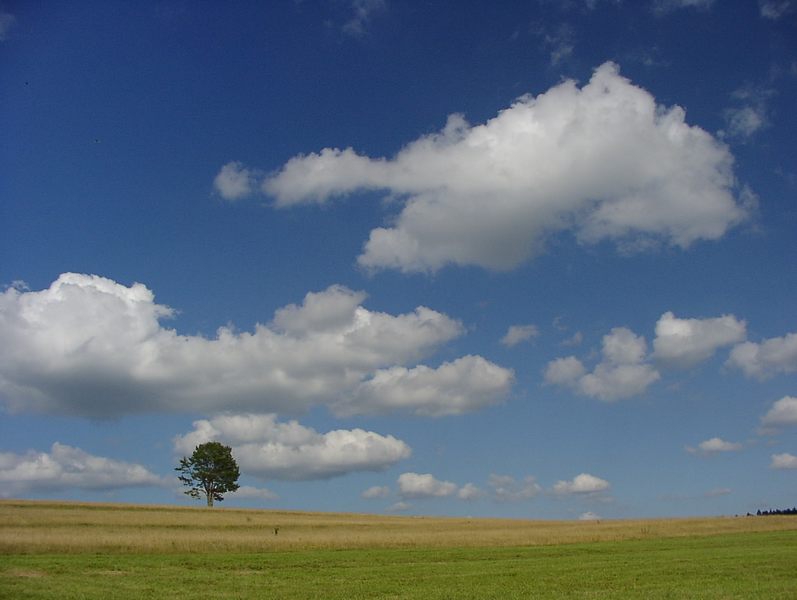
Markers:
(581, 484)
(647, 56)
(750, 114)
(416, 485)
(775, 9)
(718, 492)
(782, 414)
(560, 42)
(234, 181)
(714, 446)
(508, 489)
(589, 516)
(763, 360)
(400, 506)
(662, 7)
(744, 121)
(574, 340)
(253, 493)
(363, 13)
(377, 491)
(7, 21)
(519, 333)
(469, 492)
(564, 371)
(784, 461)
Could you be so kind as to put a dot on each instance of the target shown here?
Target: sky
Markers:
(528, 259)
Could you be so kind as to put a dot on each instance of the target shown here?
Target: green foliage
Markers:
(211, 470)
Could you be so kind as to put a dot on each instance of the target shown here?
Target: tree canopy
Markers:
(211, 470)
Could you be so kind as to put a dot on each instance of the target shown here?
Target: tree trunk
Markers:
(209, 493)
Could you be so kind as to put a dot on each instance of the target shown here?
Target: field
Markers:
(118, 551)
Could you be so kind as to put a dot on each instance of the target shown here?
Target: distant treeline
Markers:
(777, 511)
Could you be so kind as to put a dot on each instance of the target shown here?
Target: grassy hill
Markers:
(72, 550)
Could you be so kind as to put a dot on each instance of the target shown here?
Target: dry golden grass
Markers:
(60, 527)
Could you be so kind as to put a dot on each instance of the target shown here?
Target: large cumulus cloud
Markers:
(687, 342)
(767, 358)
(270, 449)
(604, 161)
(625, 369)
(90, 346)
(66, 468)
(621, 373)
(457, 387)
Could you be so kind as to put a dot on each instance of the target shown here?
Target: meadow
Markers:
(70, 550)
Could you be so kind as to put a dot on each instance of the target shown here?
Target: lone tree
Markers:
(211, 470)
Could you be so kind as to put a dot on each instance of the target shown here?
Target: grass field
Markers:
(50, 550)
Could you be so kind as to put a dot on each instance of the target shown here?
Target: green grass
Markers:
(741, 565)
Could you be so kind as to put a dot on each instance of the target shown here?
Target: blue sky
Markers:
(426, 258)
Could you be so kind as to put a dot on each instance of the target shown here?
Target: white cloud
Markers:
(564, 371)
(507, 489)
(574, 340)
(270, 449)
(714, 493)
(235, 181)
(7, 21)
(416, 485)
(665, 6)
(750, 114)
(744, 121)
(90, 346)
(519, 333)
(363, 13)
(69, 468)
(589, 516)
(621, 346)
(610, 383)
(770, 357)
(464, 385)
(248, 492)
(622, 373)
(782, 414)
(686, 342)
(377, 491)
(713, 446)
(775, 9)
(602, 160)
(559, 43)
(581, 484)
(716, 444)
(469, 492)
(784, 461)
(399, 506)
